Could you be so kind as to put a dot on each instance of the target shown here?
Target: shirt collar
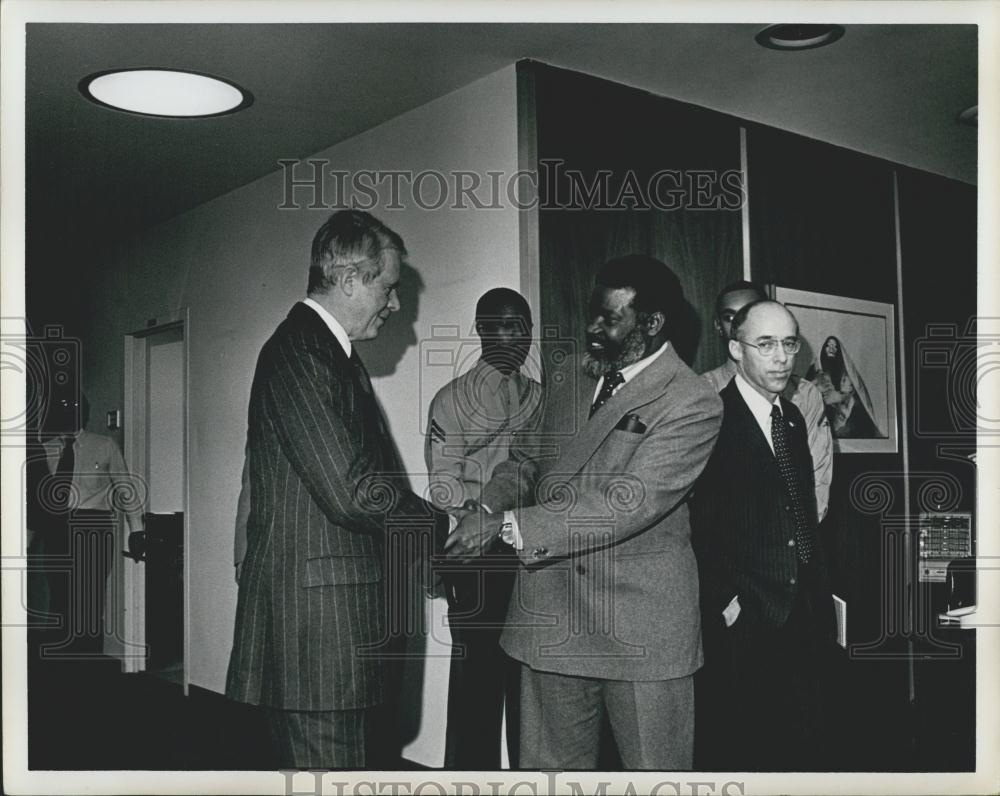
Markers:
(758, 404)
(487, 376)
(332, 323)
(629, 372)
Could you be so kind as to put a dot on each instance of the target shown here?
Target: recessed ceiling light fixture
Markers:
(170, 93)
(798, 37)
(970, 116)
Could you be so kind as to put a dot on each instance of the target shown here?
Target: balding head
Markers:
(763, 323)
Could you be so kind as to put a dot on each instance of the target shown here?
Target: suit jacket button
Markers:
(791, 543)
(792, 581)
(539, 552)
(580, 569)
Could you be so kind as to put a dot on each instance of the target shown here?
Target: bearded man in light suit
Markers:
(604, 617)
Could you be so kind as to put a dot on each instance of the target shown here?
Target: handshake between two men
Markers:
(477, 531)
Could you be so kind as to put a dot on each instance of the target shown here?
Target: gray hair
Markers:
(350, 238)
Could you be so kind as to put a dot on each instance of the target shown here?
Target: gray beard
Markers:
(633, 348)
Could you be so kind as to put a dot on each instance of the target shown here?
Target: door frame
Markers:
(135, 383)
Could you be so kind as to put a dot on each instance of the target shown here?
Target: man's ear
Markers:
(736, 350)
(654, 323)
(717, 325)
(349, 276)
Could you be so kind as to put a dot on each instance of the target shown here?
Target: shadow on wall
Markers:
(384, 354)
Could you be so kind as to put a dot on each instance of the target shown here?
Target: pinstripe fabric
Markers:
(326, 488)
(321, 739)
(742, 518)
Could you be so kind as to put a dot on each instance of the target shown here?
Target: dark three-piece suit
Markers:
(761, 695)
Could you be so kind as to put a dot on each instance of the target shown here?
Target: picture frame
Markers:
(849, 353)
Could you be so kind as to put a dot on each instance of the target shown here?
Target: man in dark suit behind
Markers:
(326, 488)
(768, 614)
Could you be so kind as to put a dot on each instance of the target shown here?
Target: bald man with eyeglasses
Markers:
(767, 610)
(804, 394)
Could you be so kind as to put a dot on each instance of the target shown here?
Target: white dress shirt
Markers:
(332, 323)
(759, 407)
(809, 401)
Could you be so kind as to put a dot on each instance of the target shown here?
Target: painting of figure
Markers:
(848, 352)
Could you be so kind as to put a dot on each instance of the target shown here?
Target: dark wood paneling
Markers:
(821, 217)
(658, 152)
(938, 245)
(822, 220)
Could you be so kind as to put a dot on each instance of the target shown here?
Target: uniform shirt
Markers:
(472, 423)
(809, 402)
(100, 479)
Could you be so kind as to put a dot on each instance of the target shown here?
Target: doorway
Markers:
(155, 604)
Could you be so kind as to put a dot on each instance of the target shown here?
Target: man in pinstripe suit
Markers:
(326, 492)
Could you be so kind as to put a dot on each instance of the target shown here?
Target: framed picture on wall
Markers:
(849, 353)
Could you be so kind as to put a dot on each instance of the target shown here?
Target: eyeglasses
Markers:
(768, 348)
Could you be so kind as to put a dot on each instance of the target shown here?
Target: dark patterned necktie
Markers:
(363, 377)
(611, 380)
(390, 462)
(64, 475)
(779, 436)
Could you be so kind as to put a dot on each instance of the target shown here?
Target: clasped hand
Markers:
(475, 532)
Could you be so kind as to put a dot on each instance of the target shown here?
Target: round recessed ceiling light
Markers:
(798, 37)
(165, 92)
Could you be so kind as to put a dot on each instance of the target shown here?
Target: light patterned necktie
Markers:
(611, 380)
(779, 436)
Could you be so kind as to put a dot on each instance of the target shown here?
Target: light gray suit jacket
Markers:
(610, 586)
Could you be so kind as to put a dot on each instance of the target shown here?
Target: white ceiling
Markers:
(888, 90)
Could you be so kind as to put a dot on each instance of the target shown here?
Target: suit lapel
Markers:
(747, 424)
(367, 411)
(649, 385)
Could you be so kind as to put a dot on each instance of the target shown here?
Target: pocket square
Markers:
(631, 423)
